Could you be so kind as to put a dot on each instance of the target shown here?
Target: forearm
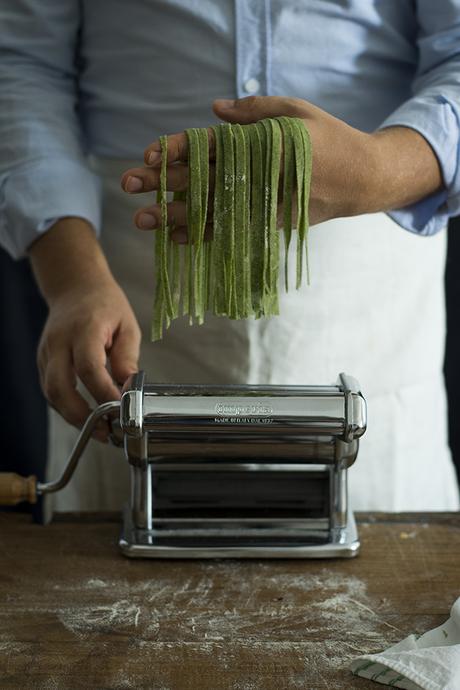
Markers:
(404, 170)
(91, 333)
(68, 255)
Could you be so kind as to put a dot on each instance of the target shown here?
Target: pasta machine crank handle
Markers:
(14, 488)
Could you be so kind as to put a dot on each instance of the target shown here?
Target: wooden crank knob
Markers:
(15, 489)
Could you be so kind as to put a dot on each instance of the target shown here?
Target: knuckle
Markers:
(298, 102)
(251, 101)
(43, 346)
(150, 178)
(50, 341)
(147, 153)
(179, 176)
(133, 333)
(137, 333)
(94, 326)
(51, 391)
(86, 368)
(177, 150)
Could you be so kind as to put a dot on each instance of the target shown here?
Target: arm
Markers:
(90, 321)
(434, 111)
(411, 164)
(43, 173)
(44, 177)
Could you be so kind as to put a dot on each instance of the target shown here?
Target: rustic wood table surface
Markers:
(76, 614)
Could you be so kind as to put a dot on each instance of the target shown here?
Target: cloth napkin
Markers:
(431, 662)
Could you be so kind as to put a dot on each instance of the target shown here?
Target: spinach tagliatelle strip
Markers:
(176, 264)
(256, 234)
(307, 152)
(194, 217)
(300, 171)
(163, 308)
(165, 237)
(228, 195)
(235, 272)
(288, 190)
(266, 139)
(273, 234)
(218, 260)
(201, 273)
(198, 192)
(242, 308)
(247, 226)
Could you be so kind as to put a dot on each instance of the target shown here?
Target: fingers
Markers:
(59, 387)
(124, 353)
(89, 359)
(150, 217)
(254, 108)
(58, 381)
(242, 110)
(137, 180)
(177, 149)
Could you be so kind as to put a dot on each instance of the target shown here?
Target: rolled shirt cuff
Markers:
(438, 120)
(33, 196)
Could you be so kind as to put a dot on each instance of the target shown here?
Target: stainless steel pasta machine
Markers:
(230, 471)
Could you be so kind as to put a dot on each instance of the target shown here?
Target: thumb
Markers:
(254, 108)
(124, 354)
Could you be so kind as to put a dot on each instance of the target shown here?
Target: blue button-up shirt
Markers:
(107, 77)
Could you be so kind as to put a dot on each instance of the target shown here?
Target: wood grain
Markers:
(75, 614)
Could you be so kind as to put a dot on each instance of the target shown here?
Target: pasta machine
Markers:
(230, 471)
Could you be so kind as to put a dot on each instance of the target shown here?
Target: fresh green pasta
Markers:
(235, 271)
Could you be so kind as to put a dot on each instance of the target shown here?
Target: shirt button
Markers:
(251, 85)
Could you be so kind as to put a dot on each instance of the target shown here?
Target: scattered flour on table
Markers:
(85, 619)
(218, 602)
(94, 583)
(10, 646)
(257, 608)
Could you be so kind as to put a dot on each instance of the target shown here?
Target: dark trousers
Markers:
(23, 413)
(452, 360)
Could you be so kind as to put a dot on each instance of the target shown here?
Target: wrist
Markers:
(365, 171)
(405, 169)
(68, 257)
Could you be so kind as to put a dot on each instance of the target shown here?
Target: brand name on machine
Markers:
(243, 409)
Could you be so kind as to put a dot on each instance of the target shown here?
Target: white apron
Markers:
(374, 309)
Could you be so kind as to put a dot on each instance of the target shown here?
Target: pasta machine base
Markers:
(236, 541)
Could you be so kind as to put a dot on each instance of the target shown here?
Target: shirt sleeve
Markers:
(43, 169)
(434, 111)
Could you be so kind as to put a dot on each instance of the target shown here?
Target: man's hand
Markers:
(353, 172)
(90, 322)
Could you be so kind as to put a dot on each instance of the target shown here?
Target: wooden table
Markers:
(75, 614)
